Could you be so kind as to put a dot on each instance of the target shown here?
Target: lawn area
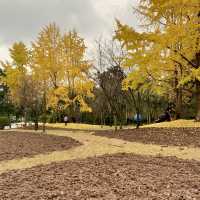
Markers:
(176, 124)
(173, 124)
(79, 126)
(90, 127)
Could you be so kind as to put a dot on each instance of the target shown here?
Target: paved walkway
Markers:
(96, 146)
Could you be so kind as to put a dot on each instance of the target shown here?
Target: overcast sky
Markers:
(21, 20)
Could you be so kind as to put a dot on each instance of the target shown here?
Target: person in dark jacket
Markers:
(138, 119)
(164, 117)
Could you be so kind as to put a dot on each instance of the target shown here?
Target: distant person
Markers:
(168, 115)
(65, 120)
(164, 117)
(138, 119)
(73, 119)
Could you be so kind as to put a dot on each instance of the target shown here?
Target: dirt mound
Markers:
(20, 144)
(120, 176)
(161, 136)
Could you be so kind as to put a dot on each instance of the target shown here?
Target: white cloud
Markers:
(21, 20)
(4, 53)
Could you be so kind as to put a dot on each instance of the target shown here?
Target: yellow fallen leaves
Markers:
(176, 124)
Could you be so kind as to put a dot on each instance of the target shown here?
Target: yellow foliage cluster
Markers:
(170, 44)
(59, 64)
(56, 65)
(16, 72)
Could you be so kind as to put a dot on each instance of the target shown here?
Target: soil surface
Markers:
(162, 136)
(21, 144)
(113, 177)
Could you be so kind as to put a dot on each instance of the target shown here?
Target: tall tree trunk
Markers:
(178, 97)
(43, 127)
(178, 108)
(36, 123)
(25, 118)
(198, 100)
(197, 81)
(101, 120)
(115, 122)
(121, 126)
(44, 112)
(10, 125)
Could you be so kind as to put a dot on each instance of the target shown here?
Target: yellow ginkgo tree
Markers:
(16, 76)
(59, 64)
(165, 57)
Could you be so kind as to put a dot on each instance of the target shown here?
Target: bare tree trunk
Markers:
(36, 123)
(198, 100)
(121, 127)
(197, 81)
(178, 108)
(178, 98)
(101, 120)
(115, 122)
(126, 115)
(44, 113)
(9, 120)
(25, 118)
(43, 127)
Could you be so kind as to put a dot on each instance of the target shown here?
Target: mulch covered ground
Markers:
(20, 144)
(161, 136)
(109, 177)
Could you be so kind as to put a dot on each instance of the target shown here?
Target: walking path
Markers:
(96, 146)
